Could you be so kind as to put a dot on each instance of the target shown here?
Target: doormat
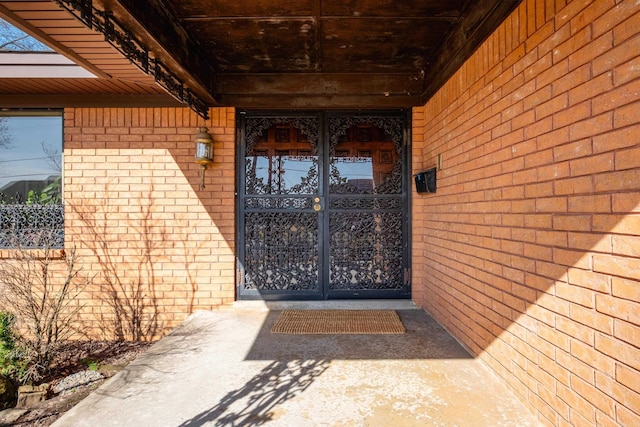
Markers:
(338, 322)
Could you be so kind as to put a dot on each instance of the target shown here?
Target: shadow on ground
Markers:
(274, 385)
(425, 339)
(226, 368)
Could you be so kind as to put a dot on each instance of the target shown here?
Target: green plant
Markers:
(11, 365)
(32, 197)
(48, 196)
(51, 193)
(92, 365)
(7, 342)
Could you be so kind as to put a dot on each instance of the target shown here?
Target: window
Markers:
(31, 209)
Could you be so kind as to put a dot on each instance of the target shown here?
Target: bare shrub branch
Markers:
(127, 289)
(41, 291)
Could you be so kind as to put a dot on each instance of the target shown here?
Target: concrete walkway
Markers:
(225, 368)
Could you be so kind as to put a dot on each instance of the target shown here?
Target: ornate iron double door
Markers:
(322, 205)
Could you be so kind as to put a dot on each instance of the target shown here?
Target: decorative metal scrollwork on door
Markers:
(323, 217)
(366, 202)
(266, 160)
(363, 130)
(281, 249)
(363, 250)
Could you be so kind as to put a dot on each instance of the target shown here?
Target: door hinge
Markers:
(407, 276)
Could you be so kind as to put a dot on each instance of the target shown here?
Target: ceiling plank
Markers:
(225, 8)
(97, 100)
(393, 8)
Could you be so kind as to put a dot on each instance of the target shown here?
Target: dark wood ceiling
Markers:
(274, 53)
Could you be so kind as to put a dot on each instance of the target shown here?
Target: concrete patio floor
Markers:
(225, 368)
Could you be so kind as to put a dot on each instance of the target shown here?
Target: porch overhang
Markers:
(267, 54)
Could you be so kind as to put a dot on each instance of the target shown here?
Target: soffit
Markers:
(114, 79)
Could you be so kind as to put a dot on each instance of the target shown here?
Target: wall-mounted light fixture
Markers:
(204, 151)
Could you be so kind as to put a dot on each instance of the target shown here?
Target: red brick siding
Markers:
(529, 251)
(157, 246)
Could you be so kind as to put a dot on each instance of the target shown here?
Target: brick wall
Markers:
(529, 253)
(156, 246)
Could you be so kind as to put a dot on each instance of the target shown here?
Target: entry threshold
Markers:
(371, 304)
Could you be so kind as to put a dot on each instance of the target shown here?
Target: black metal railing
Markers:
(31, 226)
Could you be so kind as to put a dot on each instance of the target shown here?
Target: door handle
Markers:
(317, 205)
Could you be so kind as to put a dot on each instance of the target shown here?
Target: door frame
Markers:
(323, 267)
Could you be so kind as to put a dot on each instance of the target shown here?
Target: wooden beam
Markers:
(320, 101)
(325, 84)
(476, 24)
(161, 32)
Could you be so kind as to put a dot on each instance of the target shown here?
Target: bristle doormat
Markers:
(338, 322)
